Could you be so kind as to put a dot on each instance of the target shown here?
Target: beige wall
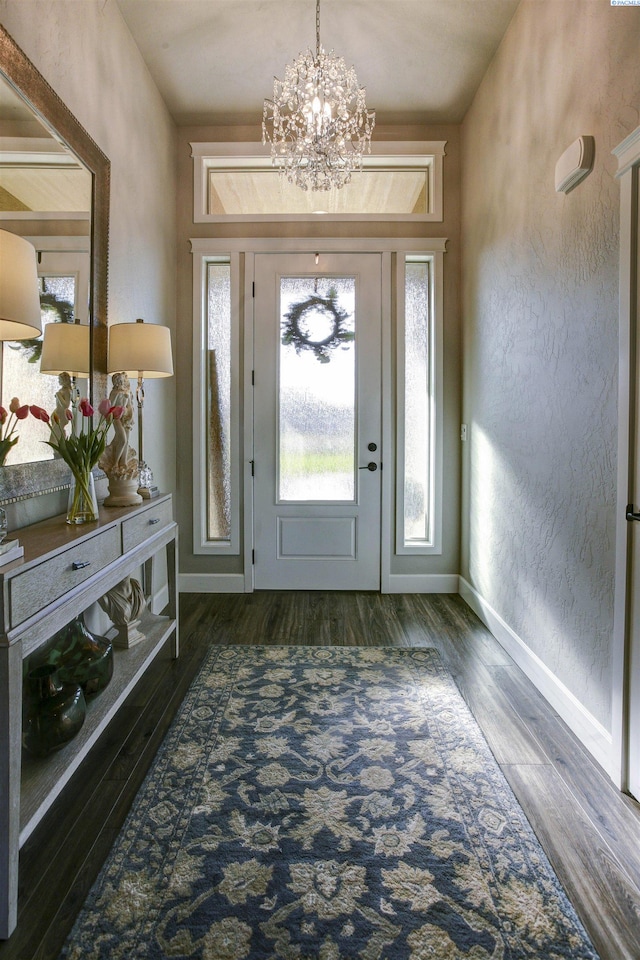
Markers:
(450, 228)
(540, 306)
(86, 53)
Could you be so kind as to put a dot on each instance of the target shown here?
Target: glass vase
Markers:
(83, 505)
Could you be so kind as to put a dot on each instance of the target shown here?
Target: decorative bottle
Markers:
(53, 711)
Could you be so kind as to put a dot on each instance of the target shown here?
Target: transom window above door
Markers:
(236, 181)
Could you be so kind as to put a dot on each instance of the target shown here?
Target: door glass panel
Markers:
(417, 403)
(317, 415)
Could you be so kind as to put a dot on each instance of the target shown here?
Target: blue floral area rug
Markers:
(326, 803)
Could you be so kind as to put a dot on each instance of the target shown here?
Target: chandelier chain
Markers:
(317, 28)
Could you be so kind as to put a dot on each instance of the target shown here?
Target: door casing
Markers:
(624, 762)
(234, 577)
(317, 544)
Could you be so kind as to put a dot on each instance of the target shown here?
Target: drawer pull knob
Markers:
(155, 520)
(80, 564)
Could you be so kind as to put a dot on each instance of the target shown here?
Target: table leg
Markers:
(172, 583)
(10, 764)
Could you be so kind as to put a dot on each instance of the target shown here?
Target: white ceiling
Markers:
(421, 61)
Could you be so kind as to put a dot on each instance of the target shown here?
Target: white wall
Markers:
(86, 53)
(540, 306)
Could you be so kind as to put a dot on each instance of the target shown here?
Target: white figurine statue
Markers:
(63, 404)
(124, 605)
(119, 460)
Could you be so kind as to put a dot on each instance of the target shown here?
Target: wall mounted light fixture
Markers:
(574, 164)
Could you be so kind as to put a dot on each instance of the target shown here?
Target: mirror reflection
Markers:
(45, 197)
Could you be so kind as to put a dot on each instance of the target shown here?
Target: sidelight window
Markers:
(216, 428)
(419, 409)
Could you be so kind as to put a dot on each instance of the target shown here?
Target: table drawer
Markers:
(43, 584)
(137, 529)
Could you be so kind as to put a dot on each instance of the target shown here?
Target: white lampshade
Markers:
(65, 349)
(19, 292)
(140, 350)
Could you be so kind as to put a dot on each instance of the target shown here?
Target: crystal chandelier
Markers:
(317, 124)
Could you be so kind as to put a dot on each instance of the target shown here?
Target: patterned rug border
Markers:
(222, 669)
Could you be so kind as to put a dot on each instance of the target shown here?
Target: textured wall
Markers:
(86, 53)
(540, 338)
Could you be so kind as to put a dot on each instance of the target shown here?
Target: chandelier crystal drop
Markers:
(318, 124)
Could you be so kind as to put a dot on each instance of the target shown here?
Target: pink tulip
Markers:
(38, 412)
(85, 408)
(3, 414)
(116, 412)
(104, 407)
(14, 406)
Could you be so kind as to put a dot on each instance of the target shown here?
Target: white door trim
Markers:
(247, 247)
(628, 155)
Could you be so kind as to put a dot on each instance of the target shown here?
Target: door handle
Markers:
(374, 466)
(630, 515)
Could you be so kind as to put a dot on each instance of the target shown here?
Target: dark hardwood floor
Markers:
(590, 831)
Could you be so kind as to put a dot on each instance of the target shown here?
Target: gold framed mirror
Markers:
(21, 481)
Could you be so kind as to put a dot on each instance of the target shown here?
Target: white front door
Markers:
(625, 757)
(317, 421)
(633, 555)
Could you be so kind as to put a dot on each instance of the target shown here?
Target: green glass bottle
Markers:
(53, 711)
(83, 658)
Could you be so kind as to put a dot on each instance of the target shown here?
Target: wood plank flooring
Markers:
(590, 831)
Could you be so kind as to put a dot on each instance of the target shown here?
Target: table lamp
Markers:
(65, 349)
(19, 290)
(140, 350)
(20, 317)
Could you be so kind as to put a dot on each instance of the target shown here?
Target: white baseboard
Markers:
(583, 724)
(160, 599)
(427, 583)
(235, 583)
(211, 583)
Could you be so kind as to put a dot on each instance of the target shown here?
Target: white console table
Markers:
(64, 570)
